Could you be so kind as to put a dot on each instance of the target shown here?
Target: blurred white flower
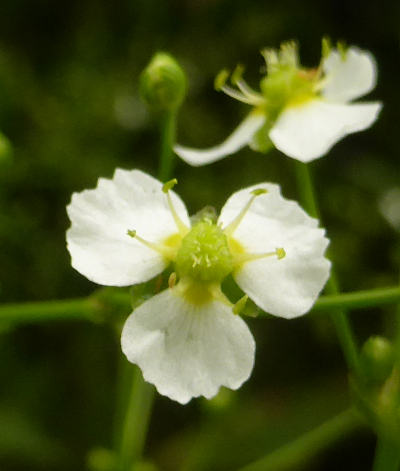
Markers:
(188, 340)
(302, 112)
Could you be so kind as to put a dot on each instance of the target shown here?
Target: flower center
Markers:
(204, 254)
(286, 82)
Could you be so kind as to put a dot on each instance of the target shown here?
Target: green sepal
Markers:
(261, 142)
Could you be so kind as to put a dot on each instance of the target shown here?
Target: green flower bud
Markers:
(163, 83)
(377, 359)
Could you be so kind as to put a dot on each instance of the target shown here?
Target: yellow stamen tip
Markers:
(259, 191)
(169, 185)
(239, 306)
(220, 79)
(131, 233)
(237, 74)
(280, 253)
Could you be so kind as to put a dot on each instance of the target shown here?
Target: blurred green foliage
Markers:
(69, 104)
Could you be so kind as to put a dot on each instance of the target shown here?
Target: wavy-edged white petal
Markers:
(288, 287)
(188, 350)
(308, 131)
(97, 240)
(238, 139)
(349, 76)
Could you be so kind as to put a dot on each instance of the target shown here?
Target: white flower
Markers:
(187, 339)
(303, 112)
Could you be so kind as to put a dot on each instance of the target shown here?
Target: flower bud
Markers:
(377, 359)
(163, 83)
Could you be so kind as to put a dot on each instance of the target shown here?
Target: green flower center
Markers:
(286, 85)
(204, 254)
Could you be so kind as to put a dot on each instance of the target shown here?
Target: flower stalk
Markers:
(387, 455)
(91, 309)
(339, 318)
(306, 447)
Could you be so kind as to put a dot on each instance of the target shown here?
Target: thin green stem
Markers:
(140, 401)
(135, 422)
(302, 450)
(94, 310)
(306, 189)
(387, 455)
(359, 299)
(339, 318)
(168, 134)
(58, 310)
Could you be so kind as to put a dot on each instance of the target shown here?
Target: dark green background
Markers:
(69, 103)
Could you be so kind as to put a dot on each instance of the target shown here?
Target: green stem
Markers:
(43, 311)
(339, 318)
(168, 134)
(359, 299)
(298, 453)
(387, 455)
(140, 401)
(91, 309)
(136, 422)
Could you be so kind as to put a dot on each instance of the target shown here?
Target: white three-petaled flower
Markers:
(303, 112)
(187, 339)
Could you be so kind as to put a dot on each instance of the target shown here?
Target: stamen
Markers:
(178, 221)
(221, 79)
(243, 258)
(271, 58)
(245, 95)
(289, 53)
(240, 96)
(239, 305)
(167, 252)
(230, 228)
(172, 280)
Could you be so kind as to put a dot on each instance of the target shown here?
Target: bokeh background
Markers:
(69, 103)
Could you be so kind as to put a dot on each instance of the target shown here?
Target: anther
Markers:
(280, 253)
(232, 226)
(178, 221)
(169, 185)
(237, 74)
(221, 79)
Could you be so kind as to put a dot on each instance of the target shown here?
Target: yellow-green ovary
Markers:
(204, 254)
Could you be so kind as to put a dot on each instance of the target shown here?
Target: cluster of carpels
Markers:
(189, 340)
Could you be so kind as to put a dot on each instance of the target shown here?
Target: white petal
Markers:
(290, 286)
(308, 131)
(187, 350)
(238, 139)
(97, 239)
(350, 78)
